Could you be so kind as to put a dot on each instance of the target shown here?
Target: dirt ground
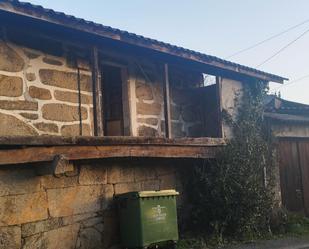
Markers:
(286, 243)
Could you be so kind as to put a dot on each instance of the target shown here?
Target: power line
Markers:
(283, 48)
(266, 40)
(291, 82)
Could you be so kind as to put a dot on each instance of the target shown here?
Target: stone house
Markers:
(87, 112)
(289, 123)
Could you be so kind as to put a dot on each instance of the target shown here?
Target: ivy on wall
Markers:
(232, 195)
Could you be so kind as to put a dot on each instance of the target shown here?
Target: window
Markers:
(112, 100)
(208, 80)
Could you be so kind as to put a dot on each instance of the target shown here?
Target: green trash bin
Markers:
(147, 218)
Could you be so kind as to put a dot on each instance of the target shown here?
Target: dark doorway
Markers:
(112, 101)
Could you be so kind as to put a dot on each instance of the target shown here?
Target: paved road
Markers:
(286, 243)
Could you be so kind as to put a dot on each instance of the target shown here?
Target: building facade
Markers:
(88, 112)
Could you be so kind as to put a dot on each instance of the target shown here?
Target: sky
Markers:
(215, 27)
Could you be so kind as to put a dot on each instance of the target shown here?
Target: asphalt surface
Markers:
(286, 243)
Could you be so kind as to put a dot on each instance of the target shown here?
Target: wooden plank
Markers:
(304, 166)
(167, 106)
(97, 94)
(79, 103)
(290, 176)
(3, 32)
(6, 141)
(43, 154)
(127, 130)
(219, 104)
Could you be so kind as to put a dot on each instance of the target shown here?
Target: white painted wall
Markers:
(231, 94)
(290, 130)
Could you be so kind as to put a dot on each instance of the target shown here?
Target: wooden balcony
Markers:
(29, 149)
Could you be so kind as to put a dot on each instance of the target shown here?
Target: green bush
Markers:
(231, 196)
(191, 244)
(297, 224)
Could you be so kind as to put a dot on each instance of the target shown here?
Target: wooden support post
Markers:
(97, 94)
(219, 105)
(167, 107)
(79, 102)
(127, 131)
(3, 33)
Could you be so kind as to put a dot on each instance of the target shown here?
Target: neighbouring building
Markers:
(289, 123)
(87, 112)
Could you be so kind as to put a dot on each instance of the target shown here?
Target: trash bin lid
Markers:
(141, 194)
(167, 192)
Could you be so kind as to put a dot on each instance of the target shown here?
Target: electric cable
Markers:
(291, 82)
(266, 40)
(283, 48)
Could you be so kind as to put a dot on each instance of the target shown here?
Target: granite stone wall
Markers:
(186, 111)
(75, 210)
(39, 96)
(186, 104)
(38, 93)
(148, 99)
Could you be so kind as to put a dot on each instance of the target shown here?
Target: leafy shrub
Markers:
(297, 224)
(231, 196)
(191, 244)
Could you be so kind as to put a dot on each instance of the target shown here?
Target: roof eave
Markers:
(132, 39)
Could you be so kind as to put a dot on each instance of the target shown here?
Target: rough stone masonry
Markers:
(39, 94)
(76, 209)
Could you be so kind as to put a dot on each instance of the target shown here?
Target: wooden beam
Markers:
(167, 106)
(45, 154)
(3, 32)
(97, 94)
(127, 131)
(219, 104)
(22, 141)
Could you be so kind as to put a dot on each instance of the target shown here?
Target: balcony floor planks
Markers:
(19, 150)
